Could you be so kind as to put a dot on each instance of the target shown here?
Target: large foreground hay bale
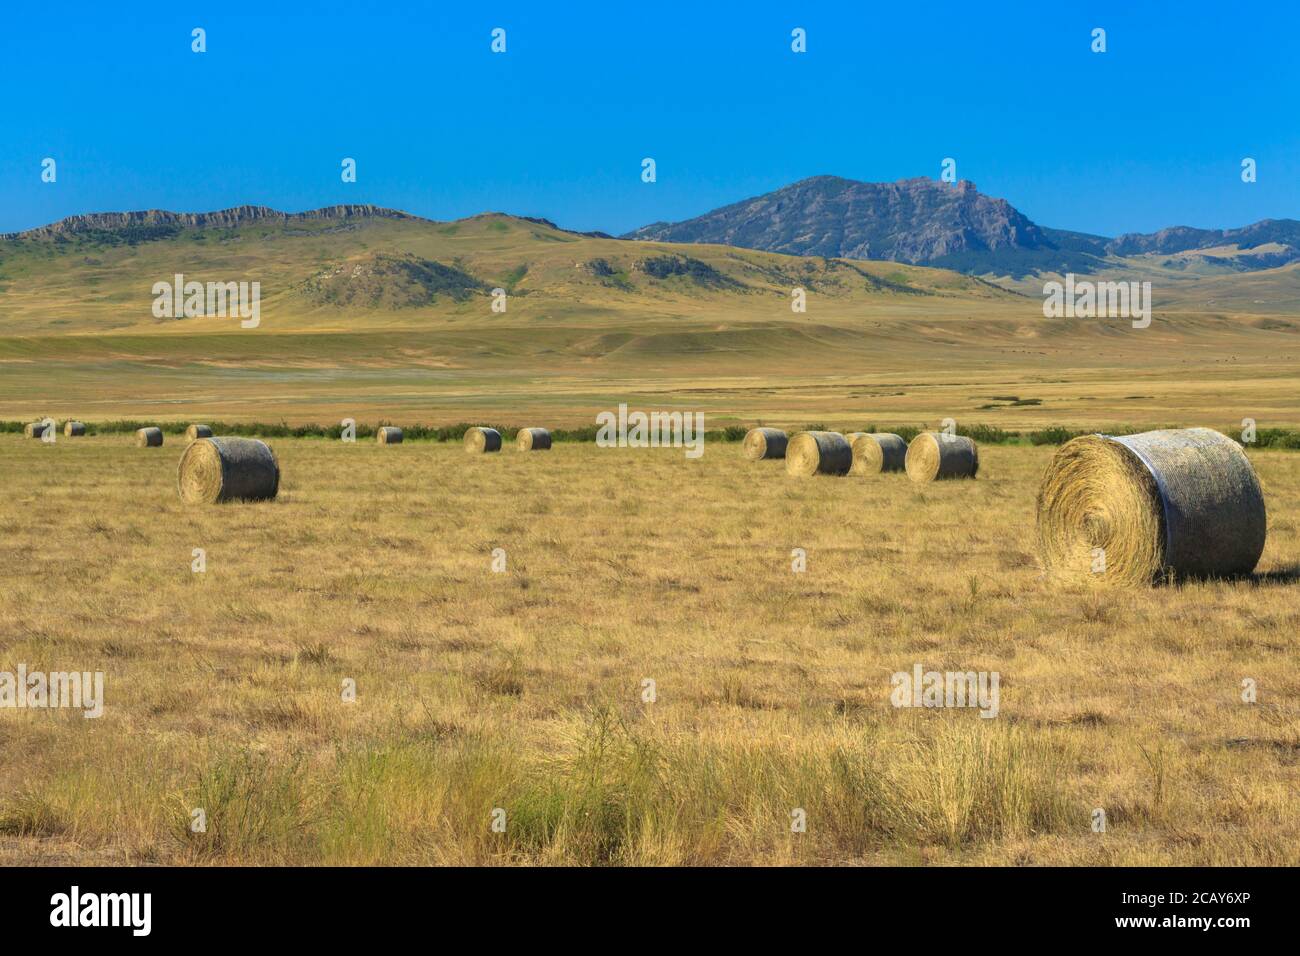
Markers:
(875, 452)
(1179, 502)
(197, 431)
(34, 429)
(74, 429)
(812, 453)
(479, 440)
(935, 456)
(148, 437)
(388, 435)
(533, 439)
(762, 443)
(228, 469)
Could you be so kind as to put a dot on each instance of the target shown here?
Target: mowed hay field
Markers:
(523, 690)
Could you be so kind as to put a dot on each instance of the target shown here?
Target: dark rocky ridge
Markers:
(1184, 238)
(1282, 233)
(224, 218)
(918, 221)
(925, 222)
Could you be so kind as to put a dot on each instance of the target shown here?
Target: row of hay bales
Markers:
(1129, 510)
(931, 456)
(211, 469)
(39, 429)
(245, 469)
(480, 440)
(1166, 504)
(150, 437)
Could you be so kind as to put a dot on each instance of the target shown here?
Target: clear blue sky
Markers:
(1149, 134)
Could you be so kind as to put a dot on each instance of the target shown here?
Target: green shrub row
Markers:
(982, 434)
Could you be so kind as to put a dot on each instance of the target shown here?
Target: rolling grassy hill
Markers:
(376, 314)
(345, 271)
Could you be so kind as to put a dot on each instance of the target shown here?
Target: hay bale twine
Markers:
(74, 429)
(533, 439)
(388, 435)
(763, 443)
(148, 437)
(479, 440)
(197, 431)
(228, 469)
(876, 452)
(935, 456)
(1181, 502)
(813, 453)
(34, 430)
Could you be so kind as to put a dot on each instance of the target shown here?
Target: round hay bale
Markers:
(1131, 510)
(148, 437)
(813, 453)
(935, 456)
(533, 439)
(877, 452)
(34, 430)
(388, 435)
(197, 431)
(74, 429)
(479, 440)
(762, 443)
(228, 469)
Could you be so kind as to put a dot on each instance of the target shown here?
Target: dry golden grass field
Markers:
(522, 690)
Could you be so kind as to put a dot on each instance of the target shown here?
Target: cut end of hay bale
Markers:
(74, 429)
(533, 439)
(148, 437)
(765, 443)
(1138, 509)
(818, 453)
(228, 469)
(197, 431)
(34, 429)
(877, 452)
(388, 435)
(479, 440)
(938, 456)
